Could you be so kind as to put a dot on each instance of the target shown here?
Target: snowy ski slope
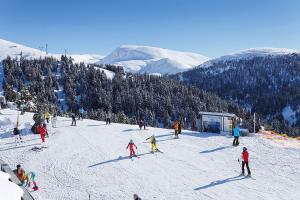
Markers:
(91, 159)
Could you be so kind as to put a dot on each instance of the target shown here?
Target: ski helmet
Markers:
(131, 141)
(244, 149)
(18, 166)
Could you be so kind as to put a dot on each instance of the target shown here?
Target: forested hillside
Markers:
(62, 86)
(267, 85)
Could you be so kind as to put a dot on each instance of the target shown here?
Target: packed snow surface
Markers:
(91, 158)
(152, 59)
(12, 49)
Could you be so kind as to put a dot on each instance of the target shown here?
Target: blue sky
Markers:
(208, 27)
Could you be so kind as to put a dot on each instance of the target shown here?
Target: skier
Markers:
(131, 146)
(153, 143)
(81, 111)
(236, 134)
(42, 130)
(194, 125)
(45, 126)
(54, 120)
(141, 123)
(23, 177)
(73, 119)
(175, 126)
(245, 161)
(108, 116)
(179, 127)
(17, 134)
(47, 116)
(136, 197)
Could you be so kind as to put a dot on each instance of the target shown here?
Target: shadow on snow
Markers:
(216, 149)
(117, 159)
(220, 182)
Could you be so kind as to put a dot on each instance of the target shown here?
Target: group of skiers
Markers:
(26, 178)
(131, 145)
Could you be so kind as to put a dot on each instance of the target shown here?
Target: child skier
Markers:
(153, 143)
(42, 130)
(245, 161)
(26, 178)
(131, 146)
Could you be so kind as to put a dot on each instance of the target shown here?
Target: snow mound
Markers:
(5, 124)
(9, 190)
(153, 59)
(12, 49)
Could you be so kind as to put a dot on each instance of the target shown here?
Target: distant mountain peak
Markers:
(135, 58)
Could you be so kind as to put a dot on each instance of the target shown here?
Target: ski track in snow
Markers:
(91, 159)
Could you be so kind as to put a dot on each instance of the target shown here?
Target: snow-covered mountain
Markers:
(249, 54)
(12, 49)
(152, 59)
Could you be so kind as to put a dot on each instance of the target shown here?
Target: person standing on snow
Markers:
(236, 135)
(175, 126)
(108, 116)
(141, 124)
(54, 120)
(47, 116)
(17, 134)
(42, 130)
(131, 146)
(73, 119)
(153, 143)
(245, 161)
(81, 111)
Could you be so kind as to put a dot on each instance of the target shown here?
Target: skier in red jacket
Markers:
(131, 146)
(42, 130)
(245, 157)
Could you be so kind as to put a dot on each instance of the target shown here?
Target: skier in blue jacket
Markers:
(81, 111)
(236, 134)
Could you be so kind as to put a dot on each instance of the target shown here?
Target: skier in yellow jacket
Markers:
(153, 144)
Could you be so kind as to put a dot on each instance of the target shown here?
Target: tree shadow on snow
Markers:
(200, 134)
(117, 160)
(216, 149)
(220, 182)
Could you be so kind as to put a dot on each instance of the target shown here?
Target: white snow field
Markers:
(91, 158)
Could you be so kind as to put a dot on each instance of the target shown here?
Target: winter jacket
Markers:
(152, 140)
(81, 110)
(41, 130)
(108, 115)
(21, 175)
(236, 132)
(176, 125)
(47, 115)
(131, 145)
(245, 156)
